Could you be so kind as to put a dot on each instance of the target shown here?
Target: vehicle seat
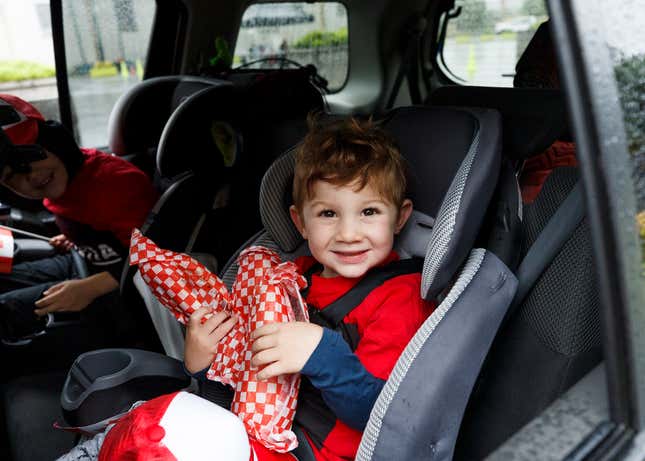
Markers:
(217, 202)
(140, 115)
(552, 338)
(551, 341)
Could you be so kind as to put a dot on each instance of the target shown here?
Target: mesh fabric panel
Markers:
(563, 306)
(444, 225)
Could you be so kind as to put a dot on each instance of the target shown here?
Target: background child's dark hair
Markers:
(348, 150)
(54, 137)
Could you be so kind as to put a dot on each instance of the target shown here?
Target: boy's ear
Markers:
(297, 221)
(404, 214)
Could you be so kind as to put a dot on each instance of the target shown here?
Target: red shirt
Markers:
(101, 205)
(538, 168)
(386, 321)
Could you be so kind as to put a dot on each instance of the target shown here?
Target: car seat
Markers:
(552, 337)
(213, 196)
(140, 115)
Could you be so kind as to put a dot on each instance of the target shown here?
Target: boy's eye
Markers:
(327, 214)
(370, 211)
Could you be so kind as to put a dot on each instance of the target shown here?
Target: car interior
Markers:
(518, 321)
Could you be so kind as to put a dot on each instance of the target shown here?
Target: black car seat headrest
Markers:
(533, 118)
(440, 145)
(537, 66)
(254, 107)
(140, 114)
(202, 135)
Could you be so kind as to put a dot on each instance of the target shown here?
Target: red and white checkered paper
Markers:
(266, 290)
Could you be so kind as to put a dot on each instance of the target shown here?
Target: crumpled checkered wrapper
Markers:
(266, 290)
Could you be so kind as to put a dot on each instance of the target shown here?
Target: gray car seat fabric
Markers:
(551, 341)
(477, 135)
(439, 366)
(165, 324)
(461, 329)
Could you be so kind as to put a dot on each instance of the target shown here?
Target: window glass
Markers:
(626, 42)
(27, 67)
(484, 42)
(278, 35)
(106, 43)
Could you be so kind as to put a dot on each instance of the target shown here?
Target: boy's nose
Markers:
(349, 230)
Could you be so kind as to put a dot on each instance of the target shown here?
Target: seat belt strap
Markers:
(335, 312)
(552, 238)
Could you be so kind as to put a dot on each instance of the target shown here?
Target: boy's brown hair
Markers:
(344, 150)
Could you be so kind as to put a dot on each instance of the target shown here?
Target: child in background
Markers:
(96, 198)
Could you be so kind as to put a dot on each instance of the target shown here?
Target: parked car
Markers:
(517, 24)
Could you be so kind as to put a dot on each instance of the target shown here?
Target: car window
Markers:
(278, 35)
(27, 67)
(628, 55)
(106, 43)
(485, 40)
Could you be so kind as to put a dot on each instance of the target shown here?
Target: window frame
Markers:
(444, 74)
(165, 58)
(597, 118)
(596, 114)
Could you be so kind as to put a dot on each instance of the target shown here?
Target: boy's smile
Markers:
(349, 231)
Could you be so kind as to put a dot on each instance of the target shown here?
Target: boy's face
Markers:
(349, 231)
(47, 179)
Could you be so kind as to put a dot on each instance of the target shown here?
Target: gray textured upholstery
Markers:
(418, 413)
(275, 199)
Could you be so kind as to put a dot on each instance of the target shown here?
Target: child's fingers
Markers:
(275, 369)
(265, 357)
(214, 321)
(263, 342)
(197, 316)
(264, 330)
(224, 327)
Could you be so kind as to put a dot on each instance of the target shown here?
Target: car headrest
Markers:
(257, 108)
(440, 146)
(202, 135)
(533, 118)
(140, 114)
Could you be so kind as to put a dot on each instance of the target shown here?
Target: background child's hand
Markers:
(61, 243)
(283, 348)
(68, 295)
(202, 338)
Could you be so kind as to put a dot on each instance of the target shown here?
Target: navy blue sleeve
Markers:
(199, 376)
(346, 386)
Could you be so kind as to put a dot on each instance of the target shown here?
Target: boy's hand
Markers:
(202, 338)
(67, 296)
(283, 348)
(61, 243)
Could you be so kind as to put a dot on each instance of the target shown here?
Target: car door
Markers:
(601, 51)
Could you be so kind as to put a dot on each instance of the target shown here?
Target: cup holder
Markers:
(109, 363)
(103, 383)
